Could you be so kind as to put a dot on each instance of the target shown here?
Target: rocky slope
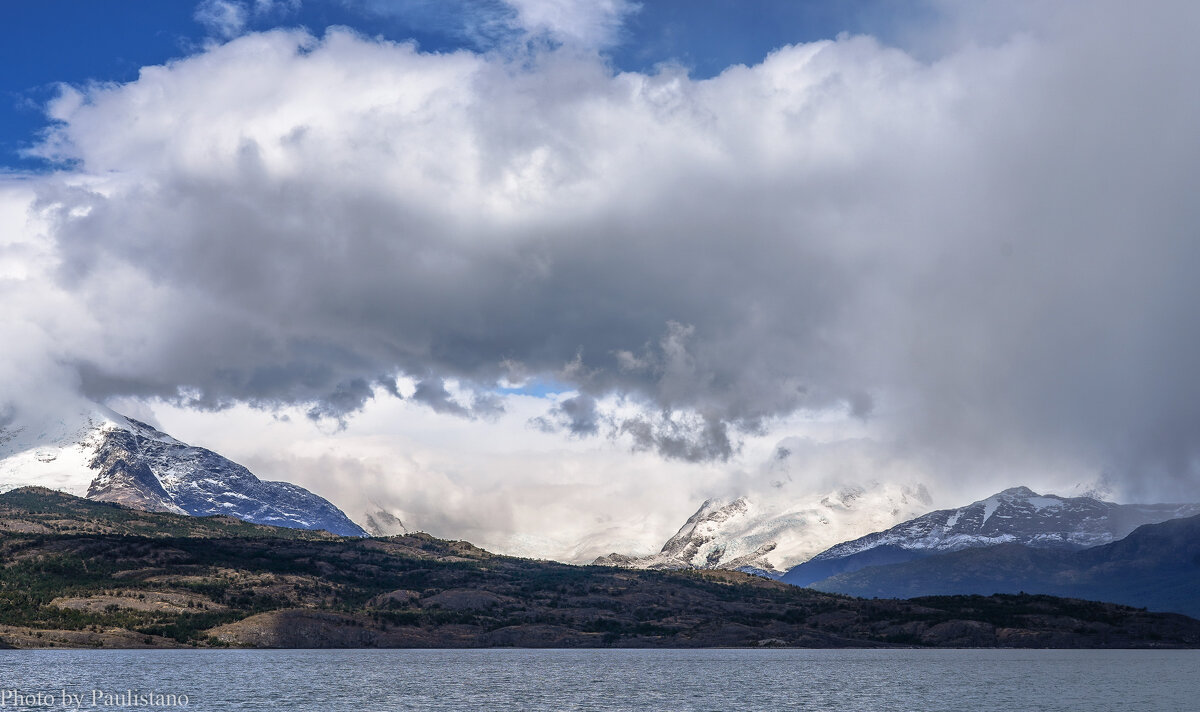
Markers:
(1017, 515)
(76, 573)
(105, 456)
(765, 537)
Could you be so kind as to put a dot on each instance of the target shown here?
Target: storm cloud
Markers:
(989, 254)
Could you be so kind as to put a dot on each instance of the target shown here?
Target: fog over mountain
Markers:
(971, 250)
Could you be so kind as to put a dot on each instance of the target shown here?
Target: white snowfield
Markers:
(772, 537)
(57, 453)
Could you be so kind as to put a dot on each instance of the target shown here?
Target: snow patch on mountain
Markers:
(55, 452)
(770, 536)
(102, 455)
(1015, 515)
(1018, 514)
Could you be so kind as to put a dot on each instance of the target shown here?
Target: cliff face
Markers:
(122, 477)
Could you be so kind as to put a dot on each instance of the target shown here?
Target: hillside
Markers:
(85, 574)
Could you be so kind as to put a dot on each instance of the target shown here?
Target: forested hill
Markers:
(75, 573)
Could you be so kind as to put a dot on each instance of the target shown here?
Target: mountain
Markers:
(769, 537)
(105, 456)
(38, 511)
(89, 574)
(1157, 566)
(1017, 515)
(381, 522)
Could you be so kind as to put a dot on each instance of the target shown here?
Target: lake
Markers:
(517, 679)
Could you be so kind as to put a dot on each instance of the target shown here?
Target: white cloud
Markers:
(223, 18)
(226, 19)
(514, 489)
(267, 7)
(994, 249)
(589, 23)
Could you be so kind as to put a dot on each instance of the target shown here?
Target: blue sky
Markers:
(48, 42)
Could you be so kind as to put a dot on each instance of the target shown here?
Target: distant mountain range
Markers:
(1013, 541)
(85, 574)
(1157, 567)
(105, 456)
(1014, 516)
(770, 537)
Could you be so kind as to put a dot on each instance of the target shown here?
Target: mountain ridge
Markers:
(1014, 515)
(769, 537)
(87, 574)
(105, 456)
(1156, 566)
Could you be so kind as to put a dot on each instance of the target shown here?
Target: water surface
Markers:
(708, 680)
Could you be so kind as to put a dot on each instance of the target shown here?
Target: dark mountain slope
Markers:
(1157, 566)
(1017, 515)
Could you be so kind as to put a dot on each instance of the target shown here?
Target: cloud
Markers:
(988, 255)
(580, 24)
(223, 18)
(594, 23)
(579, 415)
(518, 490)
(500, 485)
(346, 397)
(683, 436)
(433, 393)
(226, 19)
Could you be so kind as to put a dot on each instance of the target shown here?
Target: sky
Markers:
(546, 274)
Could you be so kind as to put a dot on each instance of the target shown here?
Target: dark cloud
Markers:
(991, 256)
(693, 439)
(347, 397)
(578, 416)
(432, 392)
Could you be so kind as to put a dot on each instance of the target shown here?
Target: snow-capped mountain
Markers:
(771, 537)
(381, 522)
(1017, 515)
(105, 456)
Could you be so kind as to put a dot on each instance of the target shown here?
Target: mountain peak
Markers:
(1020, 491)
(770, 535)
(102, 455)
(1017, 515)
